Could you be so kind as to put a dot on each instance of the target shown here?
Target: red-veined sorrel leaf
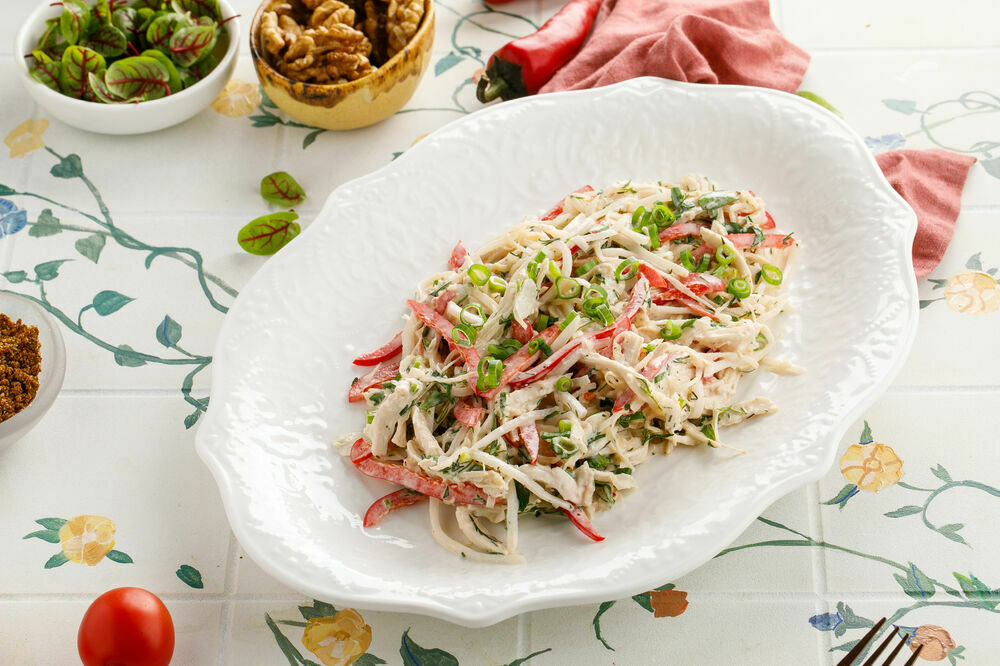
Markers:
(101, 93)
(77, 63)
(44, 69)
(50, 38)
(188, 45)
(203, 67)
(138, 76)
(209, 8)
(127, 20)
(107, 40)
(175, 79)
(281, 189)
(74, 20)
(163, 27)
(101, 12)
(270, 233)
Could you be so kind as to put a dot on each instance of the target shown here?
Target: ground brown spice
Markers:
(20, 363)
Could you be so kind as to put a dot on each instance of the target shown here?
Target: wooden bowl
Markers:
(343, 106)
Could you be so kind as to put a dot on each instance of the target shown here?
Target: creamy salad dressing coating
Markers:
(539, 371)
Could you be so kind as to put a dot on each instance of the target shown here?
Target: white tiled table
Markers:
(115, 443)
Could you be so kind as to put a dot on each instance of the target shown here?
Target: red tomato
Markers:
(127, 626)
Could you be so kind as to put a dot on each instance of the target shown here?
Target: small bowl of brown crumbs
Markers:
(32, 365)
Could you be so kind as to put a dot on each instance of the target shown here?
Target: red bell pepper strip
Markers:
(385, 505)
(521, 359)
(695, 306)
(467, 414)
(457, 256)
(523, 66)
(745, 241)
(542, 369)
(582, 523)
(680, 231)
(374, 378)
(557, 211)
(697, 283)
(635, 301)
(522, 334)
(436, 320)
(529, 435)
(654, 277)
(648, 372)
(441, 304)
(461, 493)
(769, 224)
(389, 350)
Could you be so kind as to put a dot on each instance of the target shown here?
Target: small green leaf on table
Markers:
(168, 333)
(126, 357)
(951, 531)
(446, 63)
(15, 276)
(47, 224)
(941, 473)
(524, 660)
(904, 511)
(368, 659)
(107, 302)
(56, 560)
(68, 167)
(51, 523)
(269, 233)
(190, 576)
(813, 97)
(90, 246)
(906, 106)
(866, 435)
(318, 609)
(52, 536)
(49, 270)
(282, 189)
(977, 591)
(119, 557)
(916, 584)
(415, 655)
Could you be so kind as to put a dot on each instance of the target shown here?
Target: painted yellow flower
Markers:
(972, 292)
(936, 640)
(237, 99)
(26, 137)
(87, 539)
(338, 640)
(871, 466)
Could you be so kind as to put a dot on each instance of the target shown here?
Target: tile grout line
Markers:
(818, 557)
(523, 635)
(229, 592)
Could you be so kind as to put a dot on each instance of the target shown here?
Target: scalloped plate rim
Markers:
(637, 582)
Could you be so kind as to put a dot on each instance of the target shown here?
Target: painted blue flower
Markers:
(12, 218)
(881, 144)
(826, 621)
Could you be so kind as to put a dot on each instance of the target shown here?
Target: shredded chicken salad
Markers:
(535, 374)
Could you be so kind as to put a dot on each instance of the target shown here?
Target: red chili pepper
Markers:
(373, 379)
(467, 414)
(457, 256)
(523, 66)
(558, 209)
(385, 505)
(582, 523)
(648, 372)
(461, 493)
(389, 350)
(529, 435)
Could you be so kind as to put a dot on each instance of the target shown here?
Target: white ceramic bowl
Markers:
(124, 118)
(50, 379)
(283, 358)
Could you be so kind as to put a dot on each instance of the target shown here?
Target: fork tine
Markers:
(865, 640)
(916, 653)
(880, 649)
(895, 650)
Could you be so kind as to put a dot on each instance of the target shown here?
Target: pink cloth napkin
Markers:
(735, 42)
(931, 181)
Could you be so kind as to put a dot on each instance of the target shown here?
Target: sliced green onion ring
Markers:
(725, 255)
(552, 268)
(604, 313)
(771, 274)
(567, 321)
(568, 288)
(671, 331)
(654, 237)
(564, 384)
(479, 274)
(585, 268)
(563, 447)
(496, 283)
(637, 217)
(687, 261)
(463, 335)
(626, 270)
(703, 265)
(565, 426)
(739, 288)
(476, 309)
(663, 216)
